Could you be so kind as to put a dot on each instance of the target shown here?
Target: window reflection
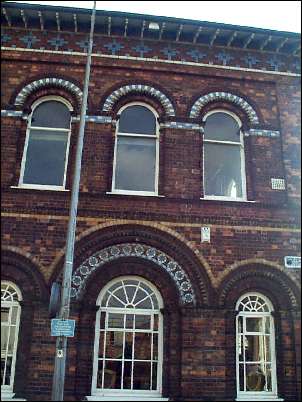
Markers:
(136, 150)
(223, 158)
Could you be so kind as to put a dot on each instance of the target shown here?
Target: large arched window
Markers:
(223, 155)
(135, 168)
(44, 161)
(128, 340)
(10, 319)
(255, 348)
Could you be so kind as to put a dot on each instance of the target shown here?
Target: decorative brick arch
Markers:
(46, 82)
(141, 251)
(19, 268)
(141, 89)
(228, 97)
(168, 253)
(263, 278)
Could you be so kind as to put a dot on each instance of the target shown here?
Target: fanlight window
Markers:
(136, 151)
(255, 347)
(10, 317)
(45, 155)
(128, 339)
(224, 172)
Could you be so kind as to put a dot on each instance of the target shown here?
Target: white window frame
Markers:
(124, 394)
(7, 390)
(154, 137)
(252, 395)
(242, 157)
(68, 131)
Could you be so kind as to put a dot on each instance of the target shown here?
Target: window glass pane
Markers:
(240, 325)
(145, 304)
(142, 349)
(267, 325)
(114, 345)
(14, 315)
(127, 375)
(128, 345)
(142, 321)
(137, 120)
(267, 348)
(155, 322)
(112, 374)
(114, 302)
(115, 320)
(135, 164)
(120, 293)
(222, 170)
(45, 158)
(4, 314)
(255, 378)
(130, 290)
(4, 339)
(101, 343)
(253, 348)
(254, 324)
(241, 377)
(140, 295)
(129, 321)
(104, 299)
(221, 127)
(154, 376)
(240, 348)
(11, 340)
(141, 375)
(99, 374)
(51, 114)
(268, 377)
(155, 347)
(7, 379)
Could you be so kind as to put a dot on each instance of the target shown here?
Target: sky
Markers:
(276, 15)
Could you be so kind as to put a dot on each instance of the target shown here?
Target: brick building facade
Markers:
(200, 227)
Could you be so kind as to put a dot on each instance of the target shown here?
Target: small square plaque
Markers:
(292, 261)
(278, 184)
(205, 234)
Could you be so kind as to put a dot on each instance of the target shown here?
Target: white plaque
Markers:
(205, 234)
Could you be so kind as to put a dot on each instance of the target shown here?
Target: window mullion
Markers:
(123, 355)
(133, 346)
(244, 361)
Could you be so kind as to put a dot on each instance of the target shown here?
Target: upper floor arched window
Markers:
(135, 168)
(223, 150)
(45, 155)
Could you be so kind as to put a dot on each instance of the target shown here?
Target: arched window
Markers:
(45, 154)
(224, 166)
(128, 340)
(135, 168)
(255, 348)
(10, 319)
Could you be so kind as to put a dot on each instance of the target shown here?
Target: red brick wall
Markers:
(200, 362)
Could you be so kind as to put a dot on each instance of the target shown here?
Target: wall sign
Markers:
(292, 261)
(205, 234)
(62, 327)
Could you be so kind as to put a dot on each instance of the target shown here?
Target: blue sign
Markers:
(62, 327)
